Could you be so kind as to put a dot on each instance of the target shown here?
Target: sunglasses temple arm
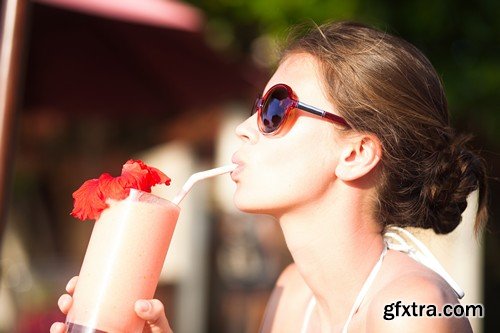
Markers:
(311, 109)
(322, 113)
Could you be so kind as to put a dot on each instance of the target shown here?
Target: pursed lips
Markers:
(236, 160)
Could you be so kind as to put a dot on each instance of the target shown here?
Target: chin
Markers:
(248, 204)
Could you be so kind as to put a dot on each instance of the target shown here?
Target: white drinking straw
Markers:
(200, 176)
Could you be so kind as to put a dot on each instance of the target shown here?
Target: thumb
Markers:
(153, 312)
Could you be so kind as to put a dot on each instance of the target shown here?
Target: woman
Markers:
(351, 138)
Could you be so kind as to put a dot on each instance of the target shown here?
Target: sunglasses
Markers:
(274, 108)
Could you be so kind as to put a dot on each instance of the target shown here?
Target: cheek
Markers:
(281, 174)
(264, 183)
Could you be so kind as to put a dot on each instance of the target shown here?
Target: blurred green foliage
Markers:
(461, 38)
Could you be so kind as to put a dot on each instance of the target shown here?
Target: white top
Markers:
(394, 239)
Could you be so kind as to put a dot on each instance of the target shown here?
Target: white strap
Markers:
(308, 314)
(357, 303)
(364, 289)
(425, 257)
(422, 254)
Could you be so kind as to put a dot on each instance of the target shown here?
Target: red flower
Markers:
(90, 198)
(113, 187)
(138, 175)
(89, 201)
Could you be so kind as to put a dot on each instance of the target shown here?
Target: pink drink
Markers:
(122, 264)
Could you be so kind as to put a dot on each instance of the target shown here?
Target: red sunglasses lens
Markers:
(274, 109)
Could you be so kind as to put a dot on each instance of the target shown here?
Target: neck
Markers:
(334, 249)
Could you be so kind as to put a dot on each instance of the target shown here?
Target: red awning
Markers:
(163, 13)
(80, 63)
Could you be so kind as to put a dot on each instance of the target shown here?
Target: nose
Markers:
(248, 130)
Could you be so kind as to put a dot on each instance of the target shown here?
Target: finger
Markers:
(70, 287)
(153, 312)
(64, 303)
(57, 328)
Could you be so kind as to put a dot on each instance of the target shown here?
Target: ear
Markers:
(358, 157)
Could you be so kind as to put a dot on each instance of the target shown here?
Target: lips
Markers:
(236, 172)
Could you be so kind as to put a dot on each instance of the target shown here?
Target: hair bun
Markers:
(454, 173)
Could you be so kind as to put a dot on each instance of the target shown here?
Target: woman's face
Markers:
(295, 167)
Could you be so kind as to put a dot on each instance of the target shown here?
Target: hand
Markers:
(64, 304)
(151, 311)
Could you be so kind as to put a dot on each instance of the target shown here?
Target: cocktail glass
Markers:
(124, 259)
(122, 264)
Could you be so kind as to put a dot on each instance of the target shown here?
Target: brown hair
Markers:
(384, 85)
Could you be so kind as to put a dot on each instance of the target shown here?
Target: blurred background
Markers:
(90, 84)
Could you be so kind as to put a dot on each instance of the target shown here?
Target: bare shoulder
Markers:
(288, 299)
(291, 284)
(289, 272)
(414, 302)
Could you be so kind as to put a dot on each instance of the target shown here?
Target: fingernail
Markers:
(144, 306)
(68, 285)
(56, 327)
(63, 300)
